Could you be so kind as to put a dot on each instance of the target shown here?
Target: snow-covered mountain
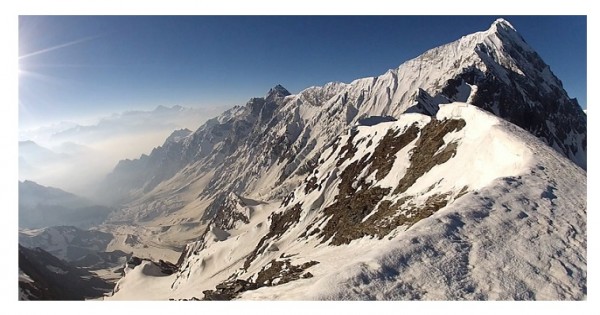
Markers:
(65, 242)
(458, 175)
(79, 248)
(495, 70)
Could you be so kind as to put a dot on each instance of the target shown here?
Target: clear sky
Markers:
(80, 66)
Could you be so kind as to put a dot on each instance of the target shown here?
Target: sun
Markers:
(21, 72)
(22, 69)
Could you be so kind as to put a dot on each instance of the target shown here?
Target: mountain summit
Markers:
(277, 91)
(502, 23)
(458, 175)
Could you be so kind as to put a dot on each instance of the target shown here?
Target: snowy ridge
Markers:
(275, 199)
(406, 259)
(501, 245)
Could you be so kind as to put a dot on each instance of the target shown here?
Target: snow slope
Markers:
(489, 245)
(499, 215)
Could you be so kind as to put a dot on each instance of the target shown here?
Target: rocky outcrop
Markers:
(277, 272)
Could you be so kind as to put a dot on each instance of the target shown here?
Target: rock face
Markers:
(277, 272)
(539, 104)
(45, 277)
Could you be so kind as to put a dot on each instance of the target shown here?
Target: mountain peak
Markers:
(502, 23)
(178, 135)
(278, 91)
(502, 29)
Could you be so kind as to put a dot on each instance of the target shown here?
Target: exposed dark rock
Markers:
(132, 240)
(277, 91)
(334, 146)
(549, 114)
(462, 192)
(348, 150)
(384, 154)
(167, 267)
(425, 155)
(280, 223)
(227, 214)
(310, 165)
(357, 199)
(348, 212)
(375, 120)
(228, 290)
(425, 104)
(276, 272)
(183, 256)
(402, 213)
(450, 89)
(134, 261)
(193, 298)
(288, 199)
(311, 185)
(282, 270)
(224, 214)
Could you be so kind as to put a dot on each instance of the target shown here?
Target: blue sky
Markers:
(80, 66)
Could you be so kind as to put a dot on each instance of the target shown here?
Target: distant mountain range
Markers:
(119, 124)
(75, 157)
(41, 206)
